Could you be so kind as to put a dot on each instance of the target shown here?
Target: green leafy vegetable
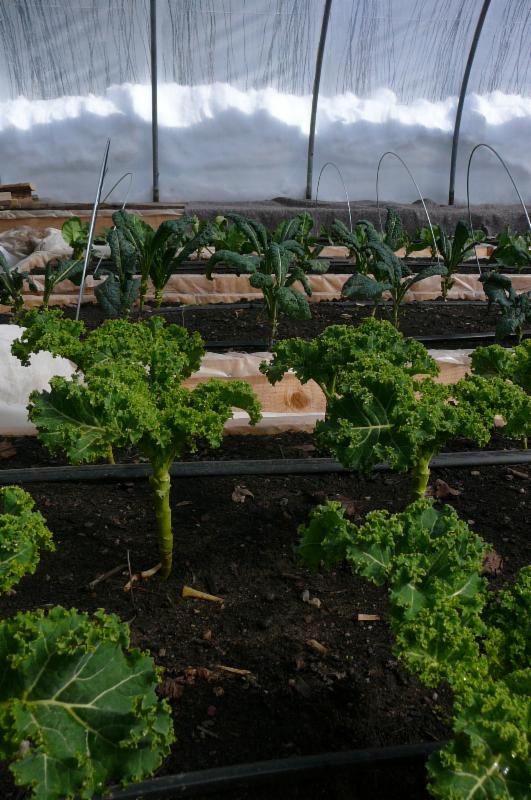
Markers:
(455, 249)
(273, 267)
(339, 347)
(12, 286)
(129, 391)
(57, 271)
(78, 707)
(23, 533)
(512, 250)
(118, 292)
(447, 628)
(381, 413)
(76, 233)
(515, 308)
(391, 274)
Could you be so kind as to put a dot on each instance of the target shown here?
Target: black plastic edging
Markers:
(189, 784)
(258, 303)
(268, 466)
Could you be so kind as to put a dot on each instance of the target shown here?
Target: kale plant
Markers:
(447, 628)
(515, 308)
(12, 286)
(512, 249)
(454, 250)
(23, 534)
(273, 267)
(58, 270)
(390, 274)
(337, 350)
(128, 390)
(78, 706)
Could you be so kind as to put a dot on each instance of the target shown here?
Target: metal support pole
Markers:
(462, 93)
(154, 110)
(315, 98)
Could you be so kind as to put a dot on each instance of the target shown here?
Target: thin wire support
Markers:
(331, 164)
(118, 182)
(506, 168)
(103, 172)
(392, 153)
(315, 97)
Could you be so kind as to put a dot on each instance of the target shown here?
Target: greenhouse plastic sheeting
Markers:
(235, 84)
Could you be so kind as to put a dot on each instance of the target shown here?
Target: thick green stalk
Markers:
(110, 455)
(420, 477)
(158, 297)
(160, 481)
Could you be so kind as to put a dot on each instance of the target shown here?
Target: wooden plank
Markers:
(18, 190)
(5, 197)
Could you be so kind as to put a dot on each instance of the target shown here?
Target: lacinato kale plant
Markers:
(515, 307)
(388, 273)
(273, 265)
(78, 707)
(128, 390)
(455, 249)
(58, 270)
(447, 628)
(12, 285)
(23, 534)
(338, 348)
(155, 254)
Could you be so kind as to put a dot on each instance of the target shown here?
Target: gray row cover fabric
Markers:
(416, 48)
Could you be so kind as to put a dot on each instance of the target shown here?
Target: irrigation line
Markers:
(268, 466)
(220, 779)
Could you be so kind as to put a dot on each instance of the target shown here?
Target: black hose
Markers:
(221, 779)
(269, 466)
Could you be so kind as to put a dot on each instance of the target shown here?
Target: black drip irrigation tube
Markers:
(268, 466)
(222, 779)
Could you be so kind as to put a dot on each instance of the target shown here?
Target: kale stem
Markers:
(420, 477)
(110, 455)
(160, 481)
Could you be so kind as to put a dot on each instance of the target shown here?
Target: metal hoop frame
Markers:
(332, 164)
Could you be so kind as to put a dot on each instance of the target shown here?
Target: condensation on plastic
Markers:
(287, 406)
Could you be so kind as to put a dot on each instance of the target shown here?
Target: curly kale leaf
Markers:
(337, 350)
(489, 755)
(78, 708)
(23, 534)
(497, 361)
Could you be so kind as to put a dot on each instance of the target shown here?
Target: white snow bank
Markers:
(218, 142)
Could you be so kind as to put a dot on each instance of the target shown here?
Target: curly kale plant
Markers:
(515, 308)
(455, 249)
(447, 628)
(381, 413)
(337, 350)
(389, 274)
(23, 534)
(274, 265)
(78, 707)
(129, 391)
(513, 365)
(155, 255)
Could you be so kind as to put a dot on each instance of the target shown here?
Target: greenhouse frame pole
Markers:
(315, 98)
(464, 85)
(154, 106)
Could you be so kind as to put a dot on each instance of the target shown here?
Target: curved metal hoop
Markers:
(331, 164)
(392, 153)
(118, 182)
(506, 168)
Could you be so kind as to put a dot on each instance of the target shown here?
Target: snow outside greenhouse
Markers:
(265, 399)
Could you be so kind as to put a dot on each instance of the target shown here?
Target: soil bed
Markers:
(296, 700)
(248, 323)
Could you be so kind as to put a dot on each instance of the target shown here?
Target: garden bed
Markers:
(296, 700)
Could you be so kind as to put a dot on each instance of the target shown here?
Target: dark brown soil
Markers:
(296, 700)
(247, 323)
